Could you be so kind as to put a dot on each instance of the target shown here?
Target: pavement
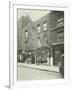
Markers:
(40, 67)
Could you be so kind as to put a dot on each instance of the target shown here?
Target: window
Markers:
(38, 28)
(26, 41)
(44, 26)
(60, 21)
(60, 36)
(26, 33)
(38, 38)
(44, 36)
(39, 43)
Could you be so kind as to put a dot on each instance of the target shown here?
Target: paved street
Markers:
(25, 73)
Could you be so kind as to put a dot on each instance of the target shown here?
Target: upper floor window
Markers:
(44, 26)
(39, 43)
(38, 28)
(60, 36)
(26, 33)
(60, 21)
(38, 38)
(26, 42)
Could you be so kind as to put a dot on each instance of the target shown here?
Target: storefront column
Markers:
(35, 59)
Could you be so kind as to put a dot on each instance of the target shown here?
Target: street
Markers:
(25, 73)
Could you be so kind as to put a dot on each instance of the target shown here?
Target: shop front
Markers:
(43, 55)
(57, 50)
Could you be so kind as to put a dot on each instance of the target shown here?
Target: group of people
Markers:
(32, 58)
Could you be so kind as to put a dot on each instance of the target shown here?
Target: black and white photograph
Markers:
(40, 44)
(36, 45)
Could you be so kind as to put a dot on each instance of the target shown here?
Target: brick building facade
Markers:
(46, 34)
(50, 33)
